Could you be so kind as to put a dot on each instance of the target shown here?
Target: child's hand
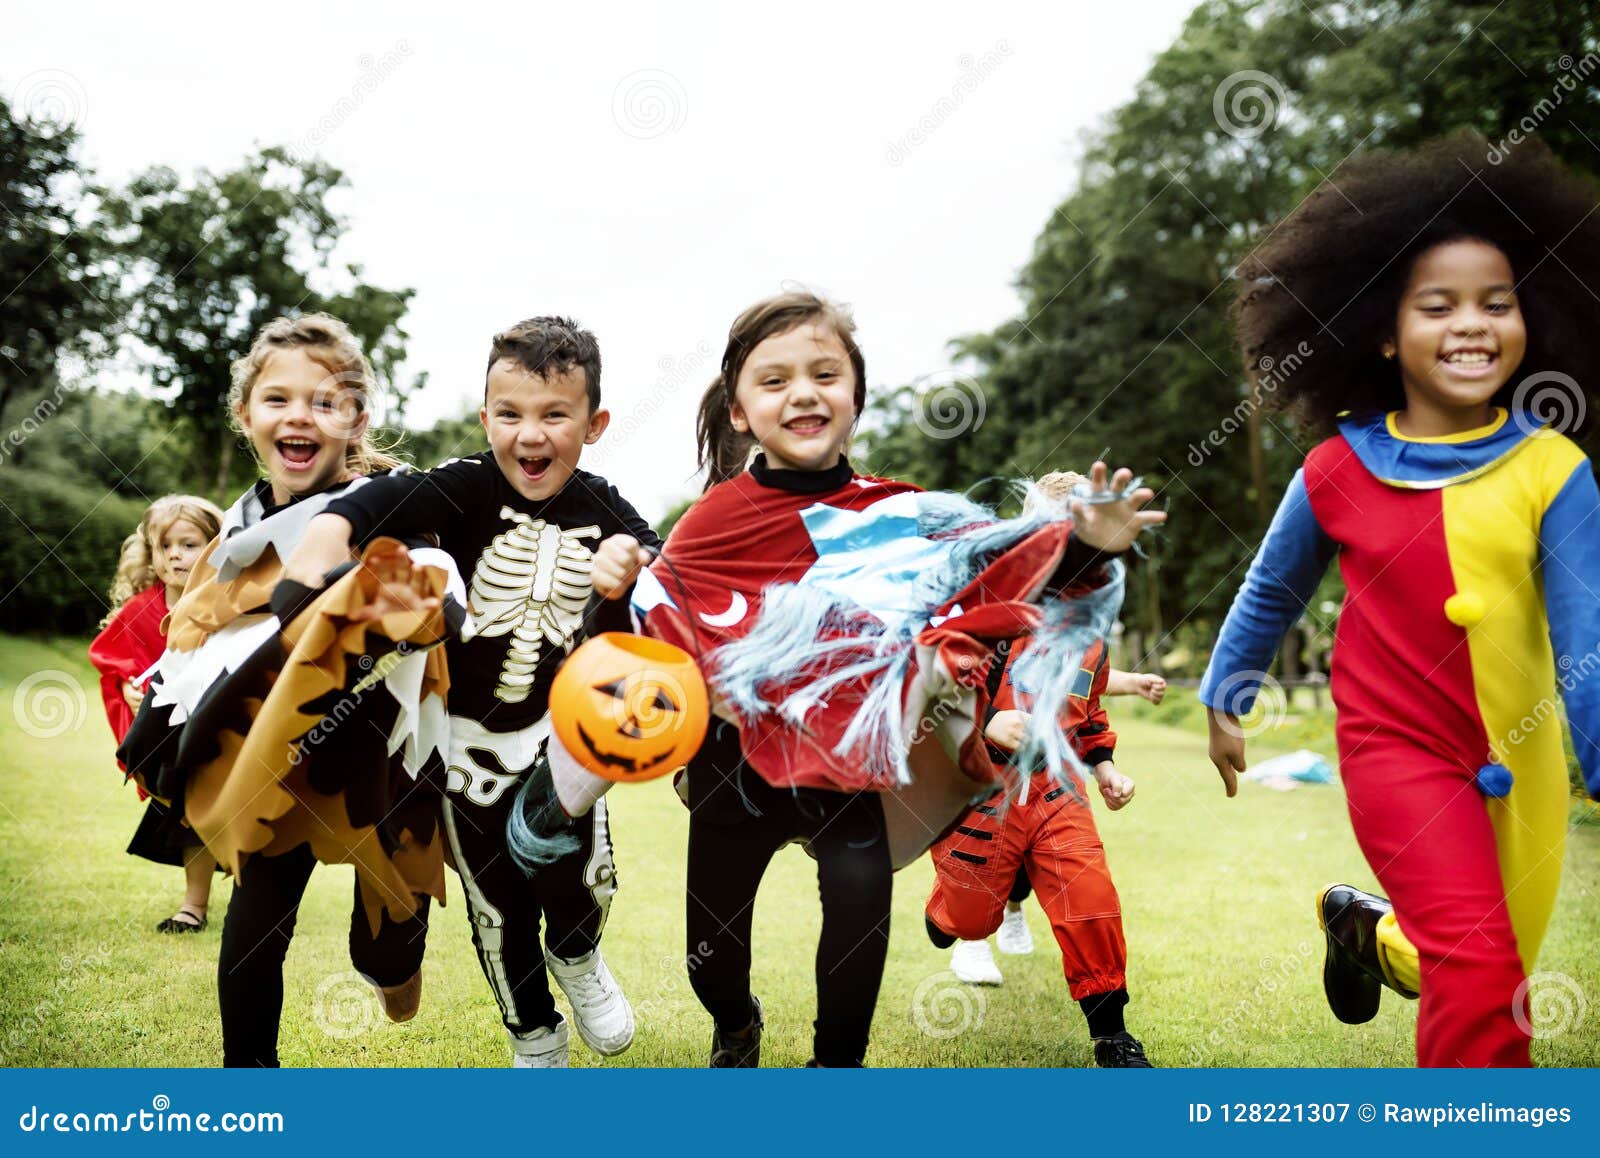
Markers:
(1227, 747)
(616, 562)
(324, 546)
(401, 587)
(1113, 526)
(1115, 788)
(132, 695)
(1007, 730)
(1151, 687)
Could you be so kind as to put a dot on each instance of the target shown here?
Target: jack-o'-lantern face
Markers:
(629, 707)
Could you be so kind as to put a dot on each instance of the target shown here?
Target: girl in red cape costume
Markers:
(154, 565)
(845, 624)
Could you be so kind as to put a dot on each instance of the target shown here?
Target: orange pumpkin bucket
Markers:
(628, 707)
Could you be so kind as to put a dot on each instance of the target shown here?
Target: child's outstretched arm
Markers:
(1569, 556)
(1112, 527)
(1274, 594)
(1127, 683)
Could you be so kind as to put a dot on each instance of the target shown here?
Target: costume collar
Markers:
(1432, 463)
(803, 482)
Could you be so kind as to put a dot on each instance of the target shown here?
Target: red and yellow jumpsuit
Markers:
(1472, 566)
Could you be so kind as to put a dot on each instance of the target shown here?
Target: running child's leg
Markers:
(575, 894)
(1067, 864)
(255, 939)
(975, 871)
(502, 906)
(391, 960)
(855, 876)
(1436, 858)
(726, 863)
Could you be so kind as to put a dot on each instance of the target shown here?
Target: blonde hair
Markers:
(1055, 487)
(328, 342)
(136, 568)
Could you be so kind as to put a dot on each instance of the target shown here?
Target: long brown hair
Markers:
(724, 450)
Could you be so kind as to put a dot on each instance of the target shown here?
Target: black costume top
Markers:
(526, 565)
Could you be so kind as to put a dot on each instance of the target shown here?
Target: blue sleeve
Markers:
(1273, 596)
(1569, 557)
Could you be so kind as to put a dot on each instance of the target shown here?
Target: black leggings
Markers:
(845, 834)
(255, 939)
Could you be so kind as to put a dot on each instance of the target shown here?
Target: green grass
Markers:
(1217, 896)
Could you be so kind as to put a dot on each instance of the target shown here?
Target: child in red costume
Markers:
(151, 572)
(1051, 833)
(783, 533)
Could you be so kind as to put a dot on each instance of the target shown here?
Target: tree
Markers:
(56, 291)
(211, 259)
(1124, 343)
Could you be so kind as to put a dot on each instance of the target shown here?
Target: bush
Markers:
(58, 550)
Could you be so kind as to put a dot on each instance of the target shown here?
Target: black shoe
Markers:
(940, 939)
(739, 1051)
(1120, 1051)
(1352, 978)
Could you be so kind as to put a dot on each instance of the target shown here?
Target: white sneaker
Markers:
(542, 1049)
(973, 963)
(604, 1017)
(1015, 937)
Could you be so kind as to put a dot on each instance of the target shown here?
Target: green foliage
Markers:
(1123, 346)
(58, 549)
(211, 258)
(58, 292)
(446, 439)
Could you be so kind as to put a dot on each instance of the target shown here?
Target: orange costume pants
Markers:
(1053, 835)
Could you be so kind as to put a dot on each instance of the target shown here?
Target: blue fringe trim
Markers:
(538, 831)
(824, 641)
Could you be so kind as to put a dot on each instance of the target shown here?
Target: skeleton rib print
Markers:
(533, 581)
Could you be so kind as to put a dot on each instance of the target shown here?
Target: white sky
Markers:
(647, 169)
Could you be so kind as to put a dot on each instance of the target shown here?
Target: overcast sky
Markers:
(649, 169)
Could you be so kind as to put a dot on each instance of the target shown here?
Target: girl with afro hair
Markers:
(1447, 308)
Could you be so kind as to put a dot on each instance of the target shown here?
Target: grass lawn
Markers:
(1217, 897)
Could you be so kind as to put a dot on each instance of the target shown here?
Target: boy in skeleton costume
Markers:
(537, 536)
